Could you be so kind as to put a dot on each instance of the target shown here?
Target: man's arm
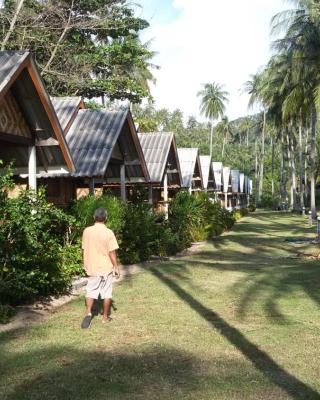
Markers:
(113, 258)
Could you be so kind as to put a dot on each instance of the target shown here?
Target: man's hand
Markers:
(116, 272)
(113, 258)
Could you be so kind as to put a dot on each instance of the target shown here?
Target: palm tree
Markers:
(300, 45)
(212, 104)
(225, 128)
(257, 87)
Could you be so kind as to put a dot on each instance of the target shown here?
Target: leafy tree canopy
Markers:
(83, 47)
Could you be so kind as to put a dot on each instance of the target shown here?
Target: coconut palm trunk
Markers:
(211, 141)
(272, 172)
(313, 155)
(306, 148)
(301, 166)
(260, 193)
(291, 161)
(256, 169)
(283, 193)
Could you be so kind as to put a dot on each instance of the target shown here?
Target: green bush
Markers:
(244, 212)
(140, 233)
(251, 207)
(83, 210)
(32, 236)
(186, 219)
(6, 313)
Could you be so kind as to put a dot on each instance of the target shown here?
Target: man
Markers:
(99, 246)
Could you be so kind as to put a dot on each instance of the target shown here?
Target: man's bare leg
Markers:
(106, 309)
(89, 304)
(86, 323)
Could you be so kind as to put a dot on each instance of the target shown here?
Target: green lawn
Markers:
(240, 320)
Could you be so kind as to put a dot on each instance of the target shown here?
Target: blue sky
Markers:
(200, 41)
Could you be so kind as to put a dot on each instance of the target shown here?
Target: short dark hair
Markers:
(100, 214)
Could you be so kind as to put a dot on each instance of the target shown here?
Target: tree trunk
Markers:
(306, 187)
(262, 157)
(283, 194)
(211, 140)
(256, 171)
(62, 36)
(300, 166)
(272, 172)
(12, 24)
(313, 163)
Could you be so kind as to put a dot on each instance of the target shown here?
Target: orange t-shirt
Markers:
(97, 242)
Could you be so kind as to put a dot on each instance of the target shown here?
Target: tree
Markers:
(212, 104)
(300, 45)
(89, 48)
(225, 128)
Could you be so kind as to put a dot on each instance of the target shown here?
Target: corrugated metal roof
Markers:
(187, 159)
(205, 162)
(66, 108)
(156, 147)
(91, 139)
(217, 166)
(226, 173)
(10, 62)
(16, 69)
(235, 180)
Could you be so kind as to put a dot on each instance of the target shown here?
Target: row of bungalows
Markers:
(233, 187)
(74, 151)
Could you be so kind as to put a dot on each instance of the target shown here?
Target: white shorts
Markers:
(99, 285)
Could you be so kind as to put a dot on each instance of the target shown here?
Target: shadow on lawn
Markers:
(154, 373)
(100, 375)
(261, 360)
(265, 279)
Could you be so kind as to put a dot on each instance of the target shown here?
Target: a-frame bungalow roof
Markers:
(189, 163)
(207, 171)
(28, 116)
(158, 149)
(100, 140)
(67, 109)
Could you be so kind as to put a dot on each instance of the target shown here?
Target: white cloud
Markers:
(210, 40)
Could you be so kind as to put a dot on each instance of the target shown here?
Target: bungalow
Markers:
(227, 187)
(190, 169)
(30, 133)
(161, 155)
(207, 173)
(235, 188)
(106, 151)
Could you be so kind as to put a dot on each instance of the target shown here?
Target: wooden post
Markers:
(32, 168)
(165, 195)
(123, 182)
(91, 186)
(150, 195)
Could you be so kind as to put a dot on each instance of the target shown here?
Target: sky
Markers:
(205, 41)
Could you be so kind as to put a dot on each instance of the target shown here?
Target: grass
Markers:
(240, 320)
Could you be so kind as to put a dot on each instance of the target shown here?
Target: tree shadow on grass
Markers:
(154, 373)
(260, 359)
(266, 280)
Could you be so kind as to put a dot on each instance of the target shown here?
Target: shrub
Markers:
(6, 313)
(186, 219)
(251, 207)
(139, 233)
(83, 210)
(32, 237)
(244, 212)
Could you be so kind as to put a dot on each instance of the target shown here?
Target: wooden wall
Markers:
(12, 121)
